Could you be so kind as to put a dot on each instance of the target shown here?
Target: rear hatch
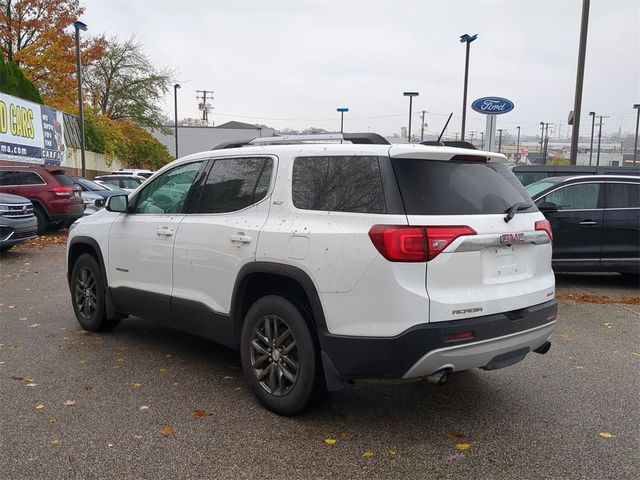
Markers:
(479, 261)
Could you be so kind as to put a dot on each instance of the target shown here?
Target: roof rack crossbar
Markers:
(356, 138)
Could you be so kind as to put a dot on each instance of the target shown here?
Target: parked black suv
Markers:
(532, 173)
(595, 221)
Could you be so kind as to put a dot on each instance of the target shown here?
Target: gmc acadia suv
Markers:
(326, 262)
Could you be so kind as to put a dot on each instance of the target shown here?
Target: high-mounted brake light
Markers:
(544, 226)
(406, 243)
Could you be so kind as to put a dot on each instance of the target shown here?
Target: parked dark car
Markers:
(55, 196)
(532, 173)
(595, 221)
(17, 221)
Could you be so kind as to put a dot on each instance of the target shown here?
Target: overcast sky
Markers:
(291, 63)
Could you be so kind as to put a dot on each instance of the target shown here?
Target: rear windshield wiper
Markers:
(515, 208)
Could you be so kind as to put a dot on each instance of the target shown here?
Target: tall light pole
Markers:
(635, 144)
(577, 104)
(80, 26)
(342, 110)
(422, 129)
(410, 95)
(518, 146)
(600, 117)
(593, 124)
(466, 38)
(541, 141)
(175, 113)
(500, 130)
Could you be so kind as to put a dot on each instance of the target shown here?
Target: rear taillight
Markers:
(544, 226)
(62, 191)
(414, 244)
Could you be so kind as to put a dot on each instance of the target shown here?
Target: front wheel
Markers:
(278, 356)
(88, 295)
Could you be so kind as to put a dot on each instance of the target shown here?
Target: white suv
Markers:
(327, 262)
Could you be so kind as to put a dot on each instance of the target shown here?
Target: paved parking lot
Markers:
(145, 402)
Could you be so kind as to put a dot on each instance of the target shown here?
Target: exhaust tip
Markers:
(544, 348)
(438, 378)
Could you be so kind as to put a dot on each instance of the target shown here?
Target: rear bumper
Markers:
(498, 340)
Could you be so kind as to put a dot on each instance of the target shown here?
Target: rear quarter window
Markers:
(62, 178)
(435, 187)
(622, 195)
(338, 184)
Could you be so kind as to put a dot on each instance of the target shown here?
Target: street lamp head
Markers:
(593, 114)
(80, 26)
(468, 38)
(342, 109)
(176, 86)
(410, 94)
(636, 106)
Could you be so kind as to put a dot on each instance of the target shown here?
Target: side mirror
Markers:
(548, 207)
(117, 203)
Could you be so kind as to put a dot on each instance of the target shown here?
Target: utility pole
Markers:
(541, 141)
(518, 146)
(472, 134)
(546, 142)
(422, 131)
(500, 130)
(176, 87)
(456, 136)
(577, 104)
(600, 117)
(204, 105)
(593, 124)
(482, 140)
(635, 144)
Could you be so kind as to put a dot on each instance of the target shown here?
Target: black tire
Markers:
(88, 295)
(5, 248)
(43, 222)
(276, 391)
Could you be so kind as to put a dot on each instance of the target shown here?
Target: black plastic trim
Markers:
(391, 357)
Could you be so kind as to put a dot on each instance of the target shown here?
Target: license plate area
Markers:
(502, 262)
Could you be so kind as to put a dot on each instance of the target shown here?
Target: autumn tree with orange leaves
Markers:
(38, 36)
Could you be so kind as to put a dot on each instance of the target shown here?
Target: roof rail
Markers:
(450, 143)
(356, 138)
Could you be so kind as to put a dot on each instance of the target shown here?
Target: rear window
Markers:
(529, 177)
(62, 178)
(338, 184)
(434, 187)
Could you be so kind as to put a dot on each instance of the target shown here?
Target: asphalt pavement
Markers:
(146, 402)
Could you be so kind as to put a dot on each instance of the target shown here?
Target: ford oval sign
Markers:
(492, 105)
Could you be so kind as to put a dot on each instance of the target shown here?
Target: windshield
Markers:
(435, 187)
(89, 185)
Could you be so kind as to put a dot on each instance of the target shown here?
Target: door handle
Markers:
(240, 238)
(164, 231)
(588, 222)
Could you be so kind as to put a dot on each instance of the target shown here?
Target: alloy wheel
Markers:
(86, 293)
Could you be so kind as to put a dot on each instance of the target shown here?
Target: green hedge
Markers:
(13, 82)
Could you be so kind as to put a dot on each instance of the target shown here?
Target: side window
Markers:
(575, 197)
(622, 195)
(168, 192)
(28, 178)
(234, 184)
(339, 184)
(129, 183)
(7, 178)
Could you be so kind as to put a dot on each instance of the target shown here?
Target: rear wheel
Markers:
(4, 248)
(88, 295)
(43, 222)
(279, 358)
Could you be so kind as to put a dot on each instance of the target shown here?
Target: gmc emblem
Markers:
(511, 238)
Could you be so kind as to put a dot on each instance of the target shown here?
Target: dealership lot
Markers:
(148, 402)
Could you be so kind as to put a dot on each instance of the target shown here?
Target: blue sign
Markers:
(492, 105)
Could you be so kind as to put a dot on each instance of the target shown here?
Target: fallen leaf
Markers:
(606, 435)
(637, 354)
(202, 413)
(456, 456)
(462, 446)
(136, 385)
(52, 420)
(88, 387)
(29, 379)
(168, 355)
(166, 430)
(110, 445)
(32, 384)
(455, 435)
(69, 403)
(392, 453)
(162, 370)
(13, 377)
(607, 324)
(34, 325)
(330, 441)
(39, 406)
(368, 453)
(143, 407)
(82, 362)
(342, 435)
(11, 307)
(56, 441)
